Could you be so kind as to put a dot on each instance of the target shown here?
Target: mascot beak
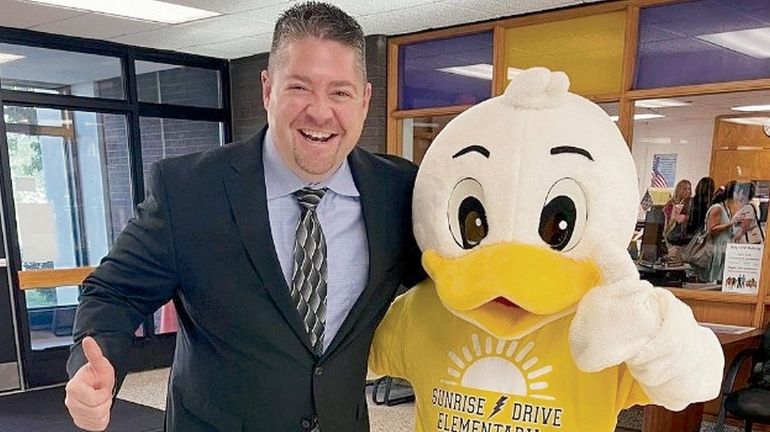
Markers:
(510, 288)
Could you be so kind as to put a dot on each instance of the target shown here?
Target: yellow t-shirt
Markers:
(466, 380)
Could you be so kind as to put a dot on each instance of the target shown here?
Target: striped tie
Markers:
(308, 282)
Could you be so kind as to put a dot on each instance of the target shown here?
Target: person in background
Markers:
(676, 212)
(699, 206)
(281, 253)
(746, 227)
(719, 226)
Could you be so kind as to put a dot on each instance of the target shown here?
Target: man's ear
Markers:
(367, 96)
(266, 86)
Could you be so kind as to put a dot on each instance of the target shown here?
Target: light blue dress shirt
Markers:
(342, 223)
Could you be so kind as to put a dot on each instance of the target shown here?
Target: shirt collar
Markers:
(281, 181)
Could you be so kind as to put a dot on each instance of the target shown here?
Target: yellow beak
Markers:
(510, 289)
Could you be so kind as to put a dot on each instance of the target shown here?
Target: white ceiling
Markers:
(246, 25)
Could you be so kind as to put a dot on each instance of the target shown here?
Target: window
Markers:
(678, 144)
(71, 184)
(43, 70)
(445, 72)
(178, 85)
(589, 49)
(703, 42)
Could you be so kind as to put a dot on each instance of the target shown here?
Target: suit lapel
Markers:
(374, 206)
(245, 187)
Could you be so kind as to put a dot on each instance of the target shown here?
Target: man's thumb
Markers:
(97, 360)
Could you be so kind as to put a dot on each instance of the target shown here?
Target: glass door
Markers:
(69, 173)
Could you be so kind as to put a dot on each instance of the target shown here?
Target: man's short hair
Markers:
(320, 20)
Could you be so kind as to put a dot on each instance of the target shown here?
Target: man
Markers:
(281, 254)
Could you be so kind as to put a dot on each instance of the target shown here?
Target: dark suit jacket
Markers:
(243, 359)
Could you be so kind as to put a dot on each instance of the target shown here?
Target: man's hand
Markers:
(89, 392)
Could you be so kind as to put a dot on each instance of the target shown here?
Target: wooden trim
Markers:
(649, 3)
(500, 68)
(576, 11)
(32, 279)
(713, 296)
(629, 49)
(604, 97)
(700, 89)
(626, 111)
(393, 138)
(425, 112)
(461, 30)
(764, 287)
(626, 108)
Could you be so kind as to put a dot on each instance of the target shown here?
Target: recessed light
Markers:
(481, 70)
(7, 58)
(751, 108)
(661, 103)
(752, 121)
(145, 10)
(641, 117)
(753, 42)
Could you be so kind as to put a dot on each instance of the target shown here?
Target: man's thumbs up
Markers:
(89, 392)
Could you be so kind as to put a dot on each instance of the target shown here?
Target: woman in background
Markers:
(676, 212)
(699, 206)
(746, 227)
(719, 226)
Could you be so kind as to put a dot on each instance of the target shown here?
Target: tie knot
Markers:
(309, 198)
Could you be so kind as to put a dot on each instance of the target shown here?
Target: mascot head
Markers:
(516, 201)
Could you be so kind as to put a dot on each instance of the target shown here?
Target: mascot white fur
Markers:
(534, 317)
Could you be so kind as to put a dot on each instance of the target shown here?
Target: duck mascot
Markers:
(534, 318)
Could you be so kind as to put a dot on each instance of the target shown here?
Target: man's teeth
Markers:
(316, 135)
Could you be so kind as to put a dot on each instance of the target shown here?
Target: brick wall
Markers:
(246, 95)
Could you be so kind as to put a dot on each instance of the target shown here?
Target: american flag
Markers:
(646, 202)
(657, 181)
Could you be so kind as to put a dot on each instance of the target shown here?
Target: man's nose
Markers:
(320, 109)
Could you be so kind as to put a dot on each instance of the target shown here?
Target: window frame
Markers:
(42, 367)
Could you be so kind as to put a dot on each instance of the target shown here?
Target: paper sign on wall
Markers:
(743, 265)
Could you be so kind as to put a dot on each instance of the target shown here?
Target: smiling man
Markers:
(281, 254)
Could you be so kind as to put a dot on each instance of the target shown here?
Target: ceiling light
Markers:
(751, 121)
(481, 70)
(146, 10)
(641, 117)
(753, 42)
(7, 58)
(751, 108)
(661, 103)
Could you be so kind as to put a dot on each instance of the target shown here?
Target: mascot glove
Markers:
(675, 360)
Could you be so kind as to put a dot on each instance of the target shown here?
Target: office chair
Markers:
(752, 403)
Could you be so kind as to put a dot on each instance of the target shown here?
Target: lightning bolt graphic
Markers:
(498, 406)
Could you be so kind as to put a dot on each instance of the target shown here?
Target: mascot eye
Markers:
(466, 214)
(564, 215)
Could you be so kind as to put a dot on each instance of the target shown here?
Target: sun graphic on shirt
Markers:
(499, 366)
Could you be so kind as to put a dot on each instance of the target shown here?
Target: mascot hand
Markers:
(675, 360)
(616, 319)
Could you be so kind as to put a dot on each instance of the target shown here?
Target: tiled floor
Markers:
(149, 388)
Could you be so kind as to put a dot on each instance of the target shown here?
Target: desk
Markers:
(659, 419)
(662, 275)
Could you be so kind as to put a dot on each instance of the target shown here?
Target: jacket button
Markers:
(305, 424)
(319, 371)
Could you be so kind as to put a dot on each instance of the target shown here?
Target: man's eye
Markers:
(341, 94)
